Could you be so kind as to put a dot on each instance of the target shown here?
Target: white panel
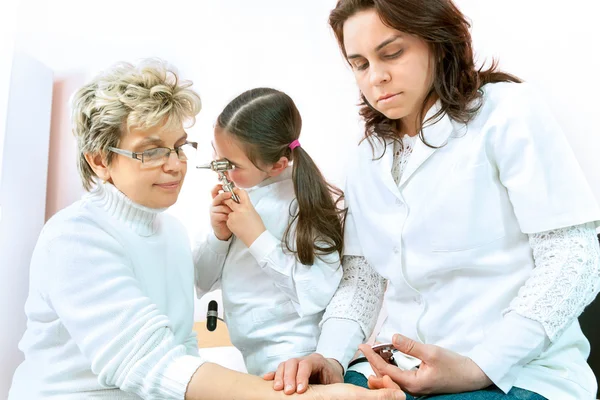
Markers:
(8, 13)
(23, 198)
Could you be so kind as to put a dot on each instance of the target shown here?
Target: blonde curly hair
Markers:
(128, 96)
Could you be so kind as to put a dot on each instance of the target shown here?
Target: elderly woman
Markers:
(110, 306)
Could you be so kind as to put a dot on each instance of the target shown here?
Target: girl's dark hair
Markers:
(266, 121)
(440, 23)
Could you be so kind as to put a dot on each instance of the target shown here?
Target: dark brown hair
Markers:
(265, 121)
(440, 23)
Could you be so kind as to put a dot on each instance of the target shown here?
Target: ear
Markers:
(99, 165)
(279, 166)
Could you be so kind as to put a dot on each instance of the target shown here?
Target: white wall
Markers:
(23, 198)
(231, 45)
(552, 44)
(8, 22)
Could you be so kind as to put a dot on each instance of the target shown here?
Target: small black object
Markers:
(212, 315)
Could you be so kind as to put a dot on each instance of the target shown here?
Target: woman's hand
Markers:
(384, 382)
(219, 213)
(441, 370)
(244, 221)
(295, 374)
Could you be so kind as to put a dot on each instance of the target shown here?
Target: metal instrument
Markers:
(220, 167)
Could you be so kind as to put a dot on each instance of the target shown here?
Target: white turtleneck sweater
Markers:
(110, 306)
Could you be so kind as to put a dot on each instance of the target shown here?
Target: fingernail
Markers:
(278, 383)
(288, 388)
(300, 387)
(396, 339)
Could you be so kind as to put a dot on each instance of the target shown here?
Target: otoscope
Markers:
(220, 167)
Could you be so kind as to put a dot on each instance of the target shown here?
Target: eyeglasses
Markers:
(158, 156)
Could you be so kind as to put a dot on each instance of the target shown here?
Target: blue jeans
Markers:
(490, 393)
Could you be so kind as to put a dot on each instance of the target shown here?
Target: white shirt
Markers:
(451, 236)
(110, 305)
(273, 304)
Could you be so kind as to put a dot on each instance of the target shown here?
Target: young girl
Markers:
(276, 253)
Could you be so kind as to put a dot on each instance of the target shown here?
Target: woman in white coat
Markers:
(467, 202)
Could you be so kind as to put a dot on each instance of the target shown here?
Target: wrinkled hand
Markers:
(244, 221)
(219, 213)
(351, 392)
(295, 374)
(441, 370)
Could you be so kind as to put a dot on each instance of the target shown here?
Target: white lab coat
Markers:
(273, 304)
(451, 237)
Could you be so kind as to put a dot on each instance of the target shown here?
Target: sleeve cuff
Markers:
(177, 376)
(493, 367)
(340, 347)
(513, 342)
(263, 246)
(217, 245)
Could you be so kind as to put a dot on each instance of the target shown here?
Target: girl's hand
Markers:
(244, 221)
(219, 213)
(441, 370)
(294, 375)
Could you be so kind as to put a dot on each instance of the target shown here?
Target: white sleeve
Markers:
(130, 344)
(309, 287)
(209, 258)
(565, 279)
(353, 310)
(340, 339)
(191, 344)
(545, 184)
